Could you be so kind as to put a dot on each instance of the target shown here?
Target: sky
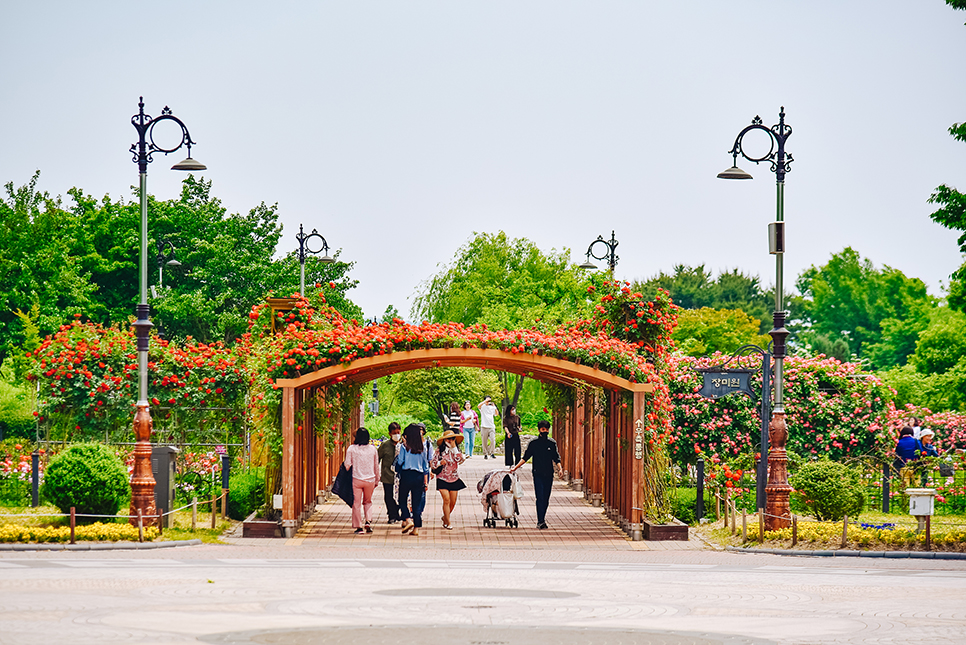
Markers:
(399, 129)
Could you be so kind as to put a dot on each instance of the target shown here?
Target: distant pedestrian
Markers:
(907, 453)
(447, 461)
(488, 414)
(916, 424)
(469, 422)
(546, 461)
(511, 443)
(387, 475)
(363, 458)
(928, 448)
(453, 420)
(413, 467)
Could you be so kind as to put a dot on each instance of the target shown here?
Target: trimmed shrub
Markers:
(89, 477)
(246, 493)
(684, 501)
(829, 490)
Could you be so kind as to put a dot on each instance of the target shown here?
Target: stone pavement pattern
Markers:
(716, 598)
(574, 522)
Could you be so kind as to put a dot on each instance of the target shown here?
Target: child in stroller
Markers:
(499, 491)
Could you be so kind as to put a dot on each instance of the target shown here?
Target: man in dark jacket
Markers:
(387, 454)
(546, 461)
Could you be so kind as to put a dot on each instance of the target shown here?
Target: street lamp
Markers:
(777, 491)
(142, 479)
(610, 254)
(165, 257)
(304, 249)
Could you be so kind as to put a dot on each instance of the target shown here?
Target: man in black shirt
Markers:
(546, 460)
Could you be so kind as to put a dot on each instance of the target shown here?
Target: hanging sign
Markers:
(638, 439)
(724, 382)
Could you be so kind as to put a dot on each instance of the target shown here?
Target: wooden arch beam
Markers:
(543, 368)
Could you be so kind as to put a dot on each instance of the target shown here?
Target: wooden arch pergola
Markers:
(592, 454)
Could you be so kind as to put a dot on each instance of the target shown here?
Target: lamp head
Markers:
(326, 259)
(189, 165)
(587, 265)
(734, 173)
(172, 263)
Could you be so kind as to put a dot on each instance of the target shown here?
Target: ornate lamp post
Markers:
(610, 254)
(165, 258)
(142, 480)
(777, 491)
(304, 250)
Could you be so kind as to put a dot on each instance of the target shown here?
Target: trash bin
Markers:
(163, 467)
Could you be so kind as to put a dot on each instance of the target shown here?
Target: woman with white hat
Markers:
(445, 465)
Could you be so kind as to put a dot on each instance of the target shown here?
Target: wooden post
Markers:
(794, 530)
(289, 511)
(845, 531)
(140, 526)
(224, 503)
(194, 514)
(717, 507)
(73, 525)
(734, 517)
(214, 510)
(727, 506)
(928, 533)
(744, 526)
(761, 526)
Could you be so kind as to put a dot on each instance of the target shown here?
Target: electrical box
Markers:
(921, 500)
(164, 469)
(776, 238)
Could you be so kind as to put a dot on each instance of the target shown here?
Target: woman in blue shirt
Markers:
(412, 463)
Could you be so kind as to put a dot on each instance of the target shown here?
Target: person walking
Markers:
(488, 413)
(363, 458)
(511, 443)
(453, 420)
(546, 461)
(413, 467)
(469, 422)
(387, 476)
(446, 466)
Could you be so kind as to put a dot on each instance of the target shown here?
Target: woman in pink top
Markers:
(363, 459)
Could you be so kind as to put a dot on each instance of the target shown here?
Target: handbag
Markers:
(342, 486)
(946, 470)
(438, 469)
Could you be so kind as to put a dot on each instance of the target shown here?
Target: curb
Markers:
(842, 553)
(100, 546)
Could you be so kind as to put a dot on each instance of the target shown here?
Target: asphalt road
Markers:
(233, 594)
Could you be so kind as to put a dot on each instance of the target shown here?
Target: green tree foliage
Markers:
(878, 312)
(89, 477)
(694, 288)
(438, 387)
(704, 331)
(37, 269)
(59, 260)
(829, 489)
(505, 284)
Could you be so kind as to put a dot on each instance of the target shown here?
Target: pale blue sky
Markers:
(398, 129)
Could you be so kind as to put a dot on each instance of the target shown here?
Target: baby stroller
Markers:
(499, 495)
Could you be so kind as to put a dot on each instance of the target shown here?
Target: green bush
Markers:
(246, 492)
(829, 490)
(684, 500)
(89, 477)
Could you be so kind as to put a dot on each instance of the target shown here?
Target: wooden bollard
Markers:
(717, 507)
(845, 531)
(761, 526)
(794, 530)
(194, 514)
(224, 504)
(734, 518)
(727, 506)
(928, 533)
(73, 524)
(214, 511)
(744, 526)
(140, 526)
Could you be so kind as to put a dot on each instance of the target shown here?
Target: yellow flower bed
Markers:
(829, 534)
(96, 532)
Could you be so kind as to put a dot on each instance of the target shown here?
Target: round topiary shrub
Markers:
(89, 477)
(828, 489)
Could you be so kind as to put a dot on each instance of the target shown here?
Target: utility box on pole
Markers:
(163, 466)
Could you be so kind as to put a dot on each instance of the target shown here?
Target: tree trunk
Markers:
(506, 378)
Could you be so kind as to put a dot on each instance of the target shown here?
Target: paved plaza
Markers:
(581, 581)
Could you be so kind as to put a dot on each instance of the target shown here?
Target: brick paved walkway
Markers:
(574, 523)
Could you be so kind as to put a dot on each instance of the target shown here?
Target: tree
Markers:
(702, 332)
(878, 312)
(694, 288)
(438, 387)
(505, 284)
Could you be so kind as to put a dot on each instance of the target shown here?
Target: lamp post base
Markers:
(142, 478)
(777, 492)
